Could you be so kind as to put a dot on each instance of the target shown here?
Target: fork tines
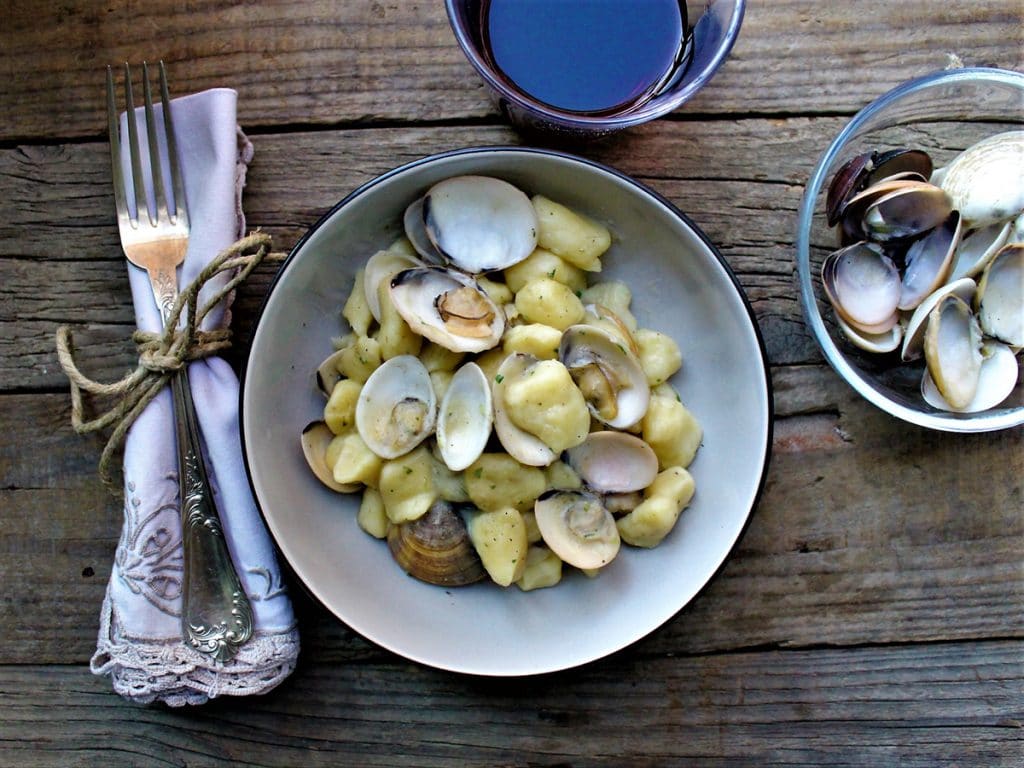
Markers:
(162, 212)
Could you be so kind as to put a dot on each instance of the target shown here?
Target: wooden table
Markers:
(872, 614)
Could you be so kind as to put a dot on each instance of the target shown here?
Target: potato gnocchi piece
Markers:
(543, 263)
(549, 302)
(543, 569)
(360, 359)
(500, 293)
(352, 461)
(340, 411)
(532, 531)
(563, 477)
(371, 516)
(671, 430)
(535, 339)
(499, 537)
(407, 485)
(496, 480)
(545, 402)
(440, 381)
(490, 361)
(652, 520)
(570, 235)
(450, 486)
(613, 295)
(659, 355)
(356, 310)
(437, 358)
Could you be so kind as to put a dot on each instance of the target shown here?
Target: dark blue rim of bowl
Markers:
(650, 111)
(946, 422)
(769, 398)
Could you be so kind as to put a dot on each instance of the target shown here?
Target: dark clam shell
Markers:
(435, 548)
(897, 162)
(846, 183)
(906, 212)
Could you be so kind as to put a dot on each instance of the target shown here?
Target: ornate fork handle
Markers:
(216, 616)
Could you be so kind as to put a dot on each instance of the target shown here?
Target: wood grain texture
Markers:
(297, 62)
(936, 706)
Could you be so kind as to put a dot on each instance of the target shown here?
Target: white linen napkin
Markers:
(140, 642)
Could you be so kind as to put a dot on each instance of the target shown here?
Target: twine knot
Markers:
(161, 354)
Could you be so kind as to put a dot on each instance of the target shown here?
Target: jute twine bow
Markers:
(161, 354)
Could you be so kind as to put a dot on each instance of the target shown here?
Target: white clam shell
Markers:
(996, 381)
(577, 527)
(380, 267)
(521, 445)
(952, 350)
(913, 335)
(614, 462)
(583, 343)
(416, 231)
(863, 285)
(397, 408)
(465, 417)
(984, 181)
(1000, 298)
(977, 248)
(479, 223)
(887, 341)
(416, 294)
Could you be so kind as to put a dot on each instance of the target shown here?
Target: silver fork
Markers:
(216, 616)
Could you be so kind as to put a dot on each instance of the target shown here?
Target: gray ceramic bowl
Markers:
(943, 113)
(681, 286)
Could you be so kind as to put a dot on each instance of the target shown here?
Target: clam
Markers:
(984, 181)
(380, 267)
(851, 223)
(614, 462)
(416, 231)
(522, 446)
(396, 407)
(327, 374)
(996, 380)
(448, 308)
(435, 548)
(863, 284)
(316, 437)
(913, 334)
(977, 248)
(1000, 297)
(464, 418)
(478, 223)
(928, 262)
(607, 373)
(601, 316)
(577, 527)
(952, 350)
(848, 180)
(886, 341)
(912, 164)
(906, 212)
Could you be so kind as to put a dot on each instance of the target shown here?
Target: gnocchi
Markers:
(564, 393)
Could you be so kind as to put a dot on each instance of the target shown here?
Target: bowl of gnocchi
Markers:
(505, 411)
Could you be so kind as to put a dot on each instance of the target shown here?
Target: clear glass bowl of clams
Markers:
(911, 251)
(496, 405)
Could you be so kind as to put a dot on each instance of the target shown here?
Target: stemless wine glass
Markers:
(942, 113)
(715, 24)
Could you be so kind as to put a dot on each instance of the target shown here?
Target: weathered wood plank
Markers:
(324, 63)
(915, 707)
(869, 531)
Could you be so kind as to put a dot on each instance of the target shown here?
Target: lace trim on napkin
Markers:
(144, 670)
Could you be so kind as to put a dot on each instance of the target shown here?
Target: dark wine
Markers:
(587, 56)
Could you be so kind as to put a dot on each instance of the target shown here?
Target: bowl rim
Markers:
(946, 422)
(602, 122)
(765, 389)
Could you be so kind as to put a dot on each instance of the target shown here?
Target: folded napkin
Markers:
(140, 640)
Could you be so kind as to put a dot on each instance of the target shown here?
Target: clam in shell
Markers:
(984, 182)
(996, 380)
(435, 548)
(397, 408)
(578, 528)
(610, 377)
(952, 350)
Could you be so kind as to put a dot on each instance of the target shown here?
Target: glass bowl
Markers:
(942, 113)
(715, 25)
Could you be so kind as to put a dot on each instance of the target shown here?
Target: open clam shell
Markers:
(996, 380)
(887, 341)
(328, 374)
(863, 284)
(316, 437)
(379, 268)
(977, 248)
(479, 224)
(913, 335)
(397, 408)
(522, 446)
(952, 350)
(465, 417)
(1000, 297)
(610, 377)
(448, 308)
(928, 262)
(578, 528)
(906, 212)
(416, 230)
